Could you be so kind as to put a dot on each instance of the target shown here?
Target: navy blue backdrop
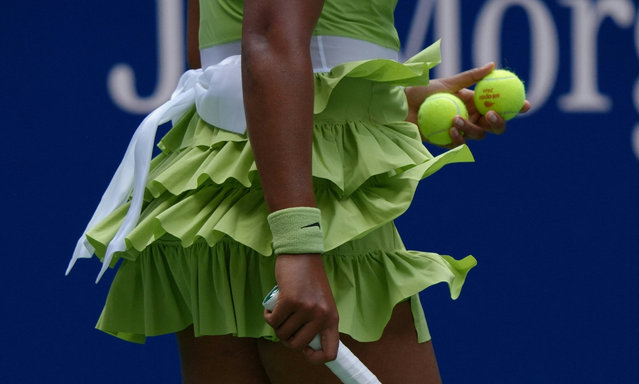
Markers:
(549, 209)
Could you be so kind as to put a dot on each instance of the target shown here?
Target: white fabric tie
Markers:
(217, 95)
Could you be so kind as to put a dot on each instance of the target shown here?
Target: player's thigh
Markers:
(287, 366)
(219, 359)
(396, 358)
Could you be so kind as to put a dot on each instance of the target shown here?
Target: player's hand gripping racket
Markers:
(346, 366)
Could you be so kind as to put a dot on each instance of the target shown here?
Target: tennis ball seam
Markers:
(500, 78)
(431, 134)
(448, 98)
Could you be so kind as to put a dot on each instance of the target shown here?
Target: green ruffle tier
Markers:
(218, 289)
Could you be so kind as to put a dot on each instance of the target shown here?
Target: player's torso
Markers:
(370, 20)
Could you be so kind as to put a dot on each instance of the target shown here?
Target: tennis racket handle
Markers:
(349, 369)
(346, 366)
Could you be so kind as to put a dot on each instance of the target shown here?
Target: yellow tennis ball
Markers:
(436, 114)
(500, 91)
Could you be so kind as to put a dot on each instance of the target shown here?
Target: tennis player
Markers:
(286, 165)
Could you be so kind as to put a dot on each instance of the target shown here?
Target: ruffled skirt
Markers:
(201, 253)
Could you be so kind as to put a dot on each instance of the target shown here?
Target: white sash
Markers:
(202, 88)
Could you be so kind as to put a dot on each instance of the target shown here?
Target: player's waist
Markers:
(326, 52)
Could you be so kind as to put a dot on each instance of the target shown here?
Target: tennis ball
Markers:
(500, 91)
(436, 114)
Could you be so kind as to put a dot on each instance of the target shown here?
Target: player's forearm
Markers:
(192, 31)
(278, 98)
(277, 78)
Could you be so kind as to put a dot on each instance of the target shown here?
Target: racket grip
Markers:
(346, 366)
(349, 369)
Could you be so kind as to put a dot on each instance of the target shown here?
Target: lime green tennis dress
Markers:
(202, 253)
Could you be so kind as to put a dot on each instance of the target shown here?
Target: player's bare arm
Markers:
(192, 40)
(278, 97)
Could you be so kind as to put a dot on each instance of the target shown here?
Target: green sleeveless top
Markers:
(369, 20)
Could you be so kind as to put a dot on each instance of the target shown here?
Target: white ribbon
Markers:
(217, 95)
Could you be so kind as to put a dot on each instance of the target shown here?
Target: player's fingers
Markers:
(468, 129)
(467, 78)
(493, 122)
(288, 331)
(318, 357)
(467, 96)
(458, 138)
(278, 316)
(330, 342)
(304, 334)
(272, 318)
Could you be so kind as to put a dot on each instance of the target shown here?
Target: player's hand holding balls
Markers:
(477, 123)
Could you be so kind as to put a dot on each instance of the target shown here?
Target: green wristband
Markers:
(297, 230)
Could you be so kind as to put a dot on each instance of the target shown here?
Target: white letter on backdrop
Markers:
(447, 27)
(587, 17)
(635, 132)
(121, 79)
(544, 44)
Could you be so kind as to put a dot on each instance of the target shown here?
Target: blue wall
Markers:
(549, 209)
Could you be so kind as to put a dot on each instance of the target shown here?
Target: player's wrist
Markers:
(297, 230)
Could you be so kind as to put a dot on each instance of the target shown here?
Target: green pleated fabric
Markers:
(219, 289)
(202, 251)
